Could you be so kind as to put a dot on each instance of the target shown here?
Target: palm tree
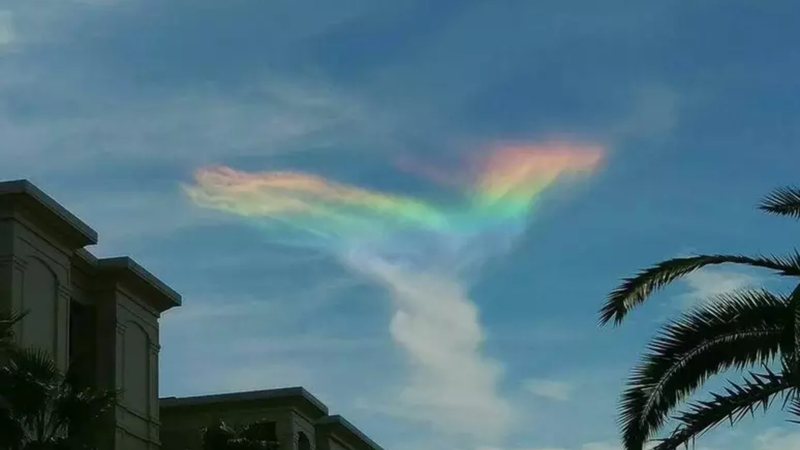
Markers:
(754, 331)
(7, 322)
(40, 408)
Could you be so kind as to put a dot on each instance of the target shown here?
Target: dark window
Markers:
(82, 343)
(302, 442)
(264, 431)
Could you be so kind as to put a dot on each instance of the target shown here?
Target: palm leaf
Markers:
(783, 202)
(735, 403)
(27, 380)
(634, 291)
(80, 411)
(43, 409)
(735, 330)
(794, 407)
(7, 322)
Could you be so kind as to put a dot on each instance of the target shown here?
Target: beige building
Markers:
(101, 317)
(296, 418)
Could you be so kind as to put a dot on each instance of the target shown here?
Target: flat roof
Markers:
(127, 267)
(83, 233)
(268, 394)
(342, 424)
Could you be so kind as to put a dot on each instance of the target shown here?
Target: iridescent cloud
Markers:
(419, 250)
(502, 189)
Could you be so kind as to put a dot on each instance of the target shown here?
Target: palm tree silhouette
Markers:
(752, 330)
(41, 408)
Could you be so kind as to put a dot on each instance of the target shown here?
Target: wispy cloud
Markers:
(7, 32)
(262, 341)
(453, 386)
(557, 390)
(184, 129)
(587, 446)
(777, 439)
(285, 310)
(708, 283)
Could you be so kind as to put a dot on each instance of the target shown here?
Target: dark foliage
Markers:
(740, 330)
(41, 408)
(255, 436)
(785, 202)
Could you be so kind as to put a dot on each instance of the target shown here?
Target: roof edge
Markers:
(125, 265)
(88, 236)
(170, 298)
(296, 391)
(339, 421)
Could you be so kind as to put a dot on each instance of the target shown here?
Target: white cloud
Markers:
(453, 387)
(707, 283)
(772, 439)
(600, 446)
(7, 33)
(777, 439)
(610, 446)
(186, 128)
(589, 446)
(536, 448)
(549, 389)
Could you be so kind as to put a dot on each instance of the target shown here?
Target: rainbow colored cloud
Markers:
(420, 251)
(499, 190)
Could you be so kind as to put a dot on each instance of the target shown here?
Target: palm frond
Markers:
(794, 408)
(7, 322)
(739, 329)
(9, 318)
(634, 291)
(80, 410)
(735, 403)
(42, 408)
(27, 380)
(784, 202)
(793, 339)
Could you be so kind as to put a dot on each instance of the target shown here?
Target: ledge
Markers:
(55, 214)
(340, 424)
(290, 393)
(126, 270)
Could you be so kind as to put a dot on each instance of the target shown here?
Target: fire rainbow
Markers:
(500, 190)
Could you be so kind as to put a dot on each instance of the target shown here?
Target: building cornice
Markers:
(22, 194)
(126, 272)
(340, 426)
(295, 395)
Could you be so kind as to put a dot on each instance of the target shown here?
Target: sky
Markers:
(414, 209)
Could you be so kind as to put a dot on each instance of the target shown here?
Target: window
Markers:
(82, 342)
(302, 442)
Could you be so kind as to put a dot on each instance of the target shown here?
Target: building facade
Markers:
(296, 419)
(101, 318)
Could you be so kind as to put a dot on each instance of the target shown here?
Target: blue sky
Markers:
(110, 105)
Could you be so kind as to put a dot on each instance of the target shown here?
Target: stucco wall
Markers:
(35, 279)
(128, 349)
